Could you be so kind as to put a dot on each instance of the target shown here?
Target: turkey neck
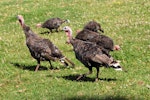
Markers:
(70, 39)
(27, 31)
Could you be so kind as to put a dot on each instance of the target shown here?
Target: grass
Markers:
(125, 21)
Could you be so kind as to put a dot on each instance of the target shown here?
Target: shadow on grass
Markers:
(28, 67)
(86, 79)
(46, 32)
(32, 67)
(109, 97)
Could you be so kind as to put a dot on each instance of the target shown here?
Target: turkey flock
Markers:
(91, 47)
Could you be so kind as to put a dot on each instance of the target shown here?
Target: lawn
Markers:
(127, 22)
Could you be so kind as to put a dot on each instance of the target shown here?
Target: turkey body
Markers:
(53, 23)
(101, 40)
(41, 49)
(93, 26)
(86, 51)
(90, 54)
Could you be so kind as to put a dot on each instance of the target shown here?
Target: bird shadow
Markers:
(33, 67)
(28, 67)
(86, 79)
(46, 32)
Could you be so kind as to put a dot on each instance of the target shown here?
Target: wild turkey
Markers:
(41, 49)
(52, 23)
(101, 40)
(93, 26)
(90, 54)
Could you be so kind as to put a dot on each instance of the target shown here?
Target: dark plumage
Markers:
(52, 23)
(101, 40)
(90, 54)
(41, 49)
(93, 26)
(90, 33)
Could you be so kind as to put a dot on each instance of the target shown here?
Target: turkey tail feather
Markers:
(70, 61)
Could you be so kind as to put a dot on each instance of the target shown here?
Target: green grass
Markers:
(127, 22)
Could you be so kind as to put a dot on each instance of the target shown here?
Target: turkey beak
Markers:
(17, 16)
(68, 21)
